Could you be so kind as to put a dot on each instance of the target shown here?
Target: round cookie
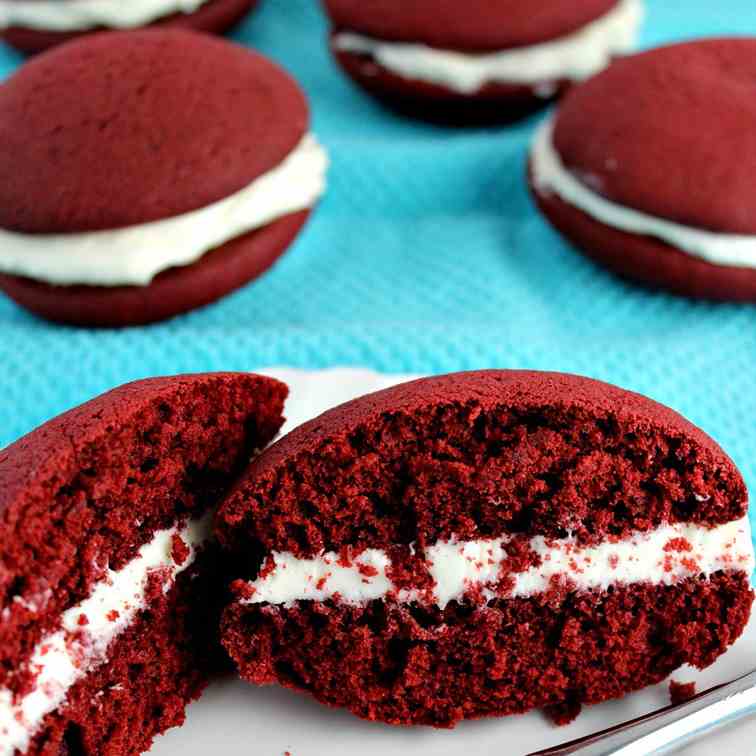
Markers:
(111, 581)
(182, 166)
(649, 169)
(476, 542)
(213, 16)
(487, 61)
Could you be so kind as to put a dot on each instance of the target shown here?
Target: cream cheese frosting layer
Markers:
(65, 656)
(551, 176)
(78, 15)
(134, 255)
(661, 557)
(574, 57)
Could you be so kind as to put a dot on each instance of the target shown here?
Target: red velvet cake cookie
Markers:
(108, 594)
(485, 543)
(150, 172)
(462, 61)
(34, 25)
(650, 168)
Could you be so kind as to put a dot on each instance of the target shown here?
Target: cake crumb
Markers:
(367, 569)
(681, 692)
(678, 544)
(179, 551)
(563, 713)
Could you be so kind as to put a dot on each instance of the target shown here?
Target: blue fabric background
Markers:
(425, 255)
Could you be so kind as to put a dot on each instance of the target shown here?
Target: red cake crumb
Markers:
(564, 713)
(346, 556)
(681, 692)
(267, 568)
(678, 544)
(520, 556)
(409, 570)
(180, 551)
(113, 615)
(242, 590)
(366, 569)
(83, 620)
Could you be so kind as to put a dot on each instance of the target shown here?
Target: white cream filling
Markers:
(458, 567)
(574, 57)
(550, 176)
(78, 15)
(136, 254)
(67, 655)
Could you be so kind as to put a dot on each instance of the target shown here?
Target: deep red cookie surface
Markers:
(83, 493)
(137, 127)
(476, 26)
(690, 160)
(670, 132)
(473, 456)
(171, 292)
(215, 17)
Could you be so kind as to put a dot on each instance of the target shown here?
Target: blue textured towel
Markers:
(426, 255)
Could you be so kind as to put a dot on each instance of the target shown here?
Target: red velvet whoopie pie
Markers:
(149, 172)
(480, 60)
(485, 543)
(650, 169)
(110, 581)
(35, 25)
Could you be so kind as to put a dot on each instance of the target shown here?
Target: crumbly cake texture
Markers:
(215, 17)
(478, 456)
(406, 666)
(483, 28)
(81, 495)
(681, 692)
(649, 163)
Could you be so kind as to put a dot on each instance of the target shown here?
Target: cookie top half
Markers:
(125, 128)
(479, 25)
(670, 132)
(475, 454)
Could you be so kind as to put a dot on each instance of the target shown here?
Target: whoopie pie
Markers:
(145, 173)
(480, 59)
(485, 543)
(35, 25)
(650, 168)
(110, 580)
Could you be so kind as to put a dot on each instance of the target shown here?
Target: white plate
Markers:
(236, 719)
